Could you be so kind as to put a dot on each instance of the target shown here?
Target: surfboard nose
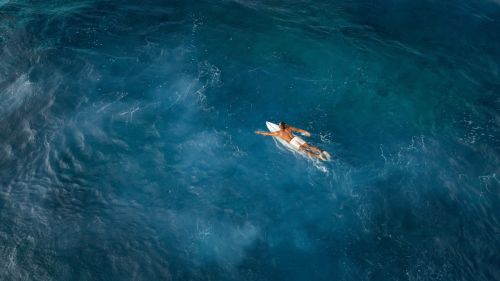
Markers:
(272, 127)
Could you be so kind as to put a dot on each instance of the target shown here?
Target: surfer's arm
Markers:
(275, 134)
(300, 131)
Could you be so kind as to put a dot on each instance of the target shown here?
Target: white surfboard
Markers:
(274, 128)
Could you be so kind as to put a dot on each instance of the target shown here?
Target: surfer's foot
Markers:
(321, 157)
(327, 155)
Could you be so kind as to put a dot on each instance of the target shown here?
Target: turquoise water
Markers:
(127, 145)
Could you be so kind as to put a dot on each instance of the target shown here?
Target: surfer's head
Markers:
(282, 125)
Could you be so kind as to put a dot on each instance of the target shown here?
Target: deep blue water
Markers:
(127, 145)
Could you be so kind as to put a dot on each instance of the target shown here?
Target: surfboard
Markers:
(274, 128)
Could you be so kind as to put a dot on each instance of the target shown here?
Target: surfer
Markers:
(286, 134)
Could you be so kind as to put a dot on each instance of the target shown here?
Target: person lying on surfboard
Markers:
(286, 134)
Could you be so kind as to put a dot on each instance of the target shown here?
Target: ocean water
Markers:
(127, 145)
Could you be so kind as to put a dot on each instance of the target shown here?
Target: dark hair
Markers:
(282, 125)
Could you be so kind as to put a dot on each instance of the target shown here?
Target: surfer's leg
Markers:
(312, 148)
(301, 148)
(316, 149)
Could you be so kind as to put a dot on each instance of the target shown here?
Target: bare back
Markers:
(286, 134)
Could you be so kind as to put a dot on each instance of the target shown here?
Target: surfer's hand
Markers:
(257, 132)
(307, 134)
